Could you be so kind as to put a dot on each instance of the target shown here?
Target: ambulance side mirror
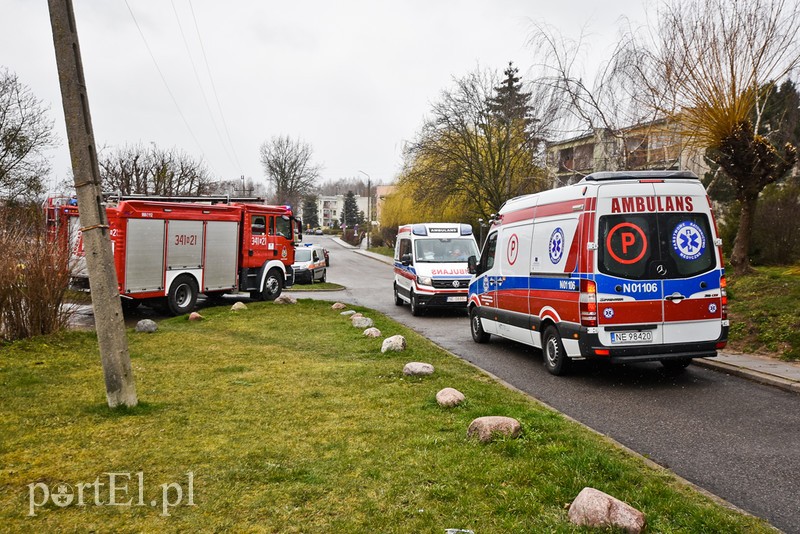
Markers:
(406, 259)
(472, 265)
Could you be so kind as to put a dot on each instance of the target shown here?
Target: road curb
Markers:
(749, 374)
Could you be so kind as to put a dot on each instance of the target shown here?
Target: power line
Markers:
(166, 85)
(213, 86)
(200, 85)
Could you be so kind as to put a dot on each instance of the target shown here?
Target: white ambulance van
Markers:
(430, 265)
(622, 266)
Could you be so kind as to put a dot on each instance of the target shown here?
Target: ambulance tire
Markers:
(273, 285)
(415, 309)
(324, 276)
(476, 327)
(182, 295)
(555, 357)
(397, 300)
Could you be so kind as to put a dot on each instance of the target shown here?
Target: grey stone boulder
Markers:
(146, 326)
(362, 322)
(594, 508)
(487, 428)
(394, 343)
(372, 332)
(285, 299)
(338, 306)
(417, 369)
(348, 312)
(449, 397)
(237, 306)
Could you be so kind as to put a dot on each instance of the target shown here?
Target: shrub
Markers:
(34, 276)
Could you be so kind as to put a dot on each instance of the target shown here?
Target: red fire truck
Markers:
(167, 252)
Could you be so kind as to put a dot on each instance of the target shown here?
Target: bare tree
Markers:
(711, 65)
(25, 134)
(153, 171)
(599, 103)
(287, 164)
(471, 152)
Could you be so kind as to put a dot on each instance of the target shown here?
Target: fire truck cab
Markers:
(622, 266)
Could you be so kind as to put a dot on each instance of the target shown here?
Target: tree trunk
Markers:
(740, 257)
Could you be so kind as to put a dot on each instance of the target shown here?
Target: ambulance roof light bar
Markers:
(640, 175)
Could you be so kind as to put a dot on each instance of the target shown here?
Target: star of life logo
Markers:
(688, 241)
(556, 245)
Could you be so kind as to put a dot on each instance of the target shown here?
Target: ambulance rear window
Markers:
(641, 246)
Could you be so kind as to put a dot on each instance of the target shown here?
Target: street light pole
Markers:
(369, 205)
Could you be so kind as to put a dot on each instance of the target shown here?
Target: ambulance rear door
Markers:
(658, 275)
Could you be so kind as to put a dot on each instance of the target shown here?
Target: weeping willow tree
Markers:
(711, 66)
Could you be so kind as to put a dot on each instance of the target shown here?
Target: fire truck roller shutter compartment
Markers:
(220, 255)
(144, 255)
(185, 245)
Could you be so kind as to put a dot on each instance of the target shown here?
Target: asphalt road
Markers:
(735, 438)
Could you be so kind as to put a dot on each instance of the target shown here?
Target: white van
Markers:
(622, 266)
(430, 265)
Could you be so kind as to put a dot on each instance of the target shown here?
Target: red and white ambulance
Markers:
(622, 266)
(430, 265)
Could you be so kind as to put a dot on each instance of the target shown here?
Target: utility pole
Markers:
(110, 325)
(369, 205)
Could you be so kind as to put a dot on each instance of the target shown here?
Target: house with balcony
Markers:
(657, 145)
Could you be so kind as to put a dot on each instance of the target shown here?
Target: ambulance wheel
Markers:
(556, 360)
(324, 276)
(273, 285)
(397, 300)
(676, 366)
(415, 311)
(182, 295)
(476, 327)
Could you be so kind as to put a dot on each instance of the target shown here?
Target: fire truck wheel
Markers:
(182, 295)
(415, 311)
(273, 285)
(476, 327)
(556, 360)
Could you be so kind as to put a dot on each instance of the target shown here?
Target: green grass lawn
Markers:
(290, 420)
(316, 286)
(764, 311)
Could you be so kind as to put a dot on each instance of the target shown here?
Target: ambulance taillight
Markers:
(588, 303)
(723, 287)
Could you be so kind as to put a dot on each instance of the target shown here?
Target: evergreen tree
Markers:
(510, 102)
(350, 215)
(310, 212)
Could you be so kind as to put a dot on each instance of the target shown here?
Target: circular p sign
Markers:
(513, 249)
(626, 243)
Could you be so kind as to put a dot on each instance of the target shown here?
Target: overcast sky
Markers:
(354, 79)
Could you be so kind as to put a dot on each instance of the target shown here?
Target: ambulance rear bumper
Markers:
(591, 348)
